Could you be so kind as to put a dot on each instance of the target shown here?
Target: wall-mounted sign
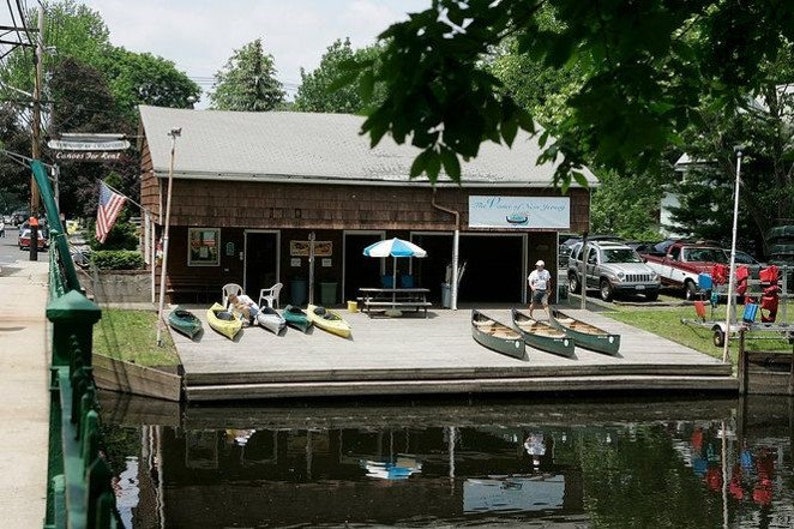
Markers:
(89, 147)
(301, 248)
(519, 212)
(295, 262)
(204, 246)
(326, 263)
(229, 249)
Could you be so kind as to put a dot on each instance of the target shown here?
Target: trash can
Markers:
(446, 295)
(352, 306)
(297, 291)
(328, 294)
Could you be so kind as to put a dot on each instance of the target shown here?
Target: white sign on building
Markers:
(519, 212)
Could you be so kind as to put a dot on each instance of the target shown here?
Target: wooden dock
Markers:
(437, 355)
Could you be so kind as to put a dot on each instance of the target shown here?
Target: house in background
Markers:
(251, 189)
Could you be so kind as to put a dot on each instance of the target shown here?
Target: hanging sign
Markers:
(89, 147)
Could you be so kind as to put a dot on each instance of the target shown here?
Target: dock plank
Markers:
(437, 354)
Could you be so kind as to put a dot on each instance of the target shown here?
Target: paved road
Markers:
(24, 407)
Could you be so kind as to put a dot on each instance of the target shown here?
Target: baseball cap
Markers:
(540, 263)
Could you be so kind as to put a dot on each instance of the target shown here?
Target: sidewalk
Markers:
(24, 382)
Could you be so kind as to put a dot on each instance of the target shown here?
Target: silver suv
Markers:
(613, 268)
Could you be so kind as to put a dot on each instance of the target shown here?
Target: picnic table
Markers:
(382, 299)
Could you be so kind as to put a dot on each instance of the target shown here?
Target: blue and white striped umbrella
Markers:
(394, 248)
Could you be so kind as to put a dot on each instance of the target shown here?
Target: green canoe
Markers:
(586, 335)
(496, 336)
(541, 335)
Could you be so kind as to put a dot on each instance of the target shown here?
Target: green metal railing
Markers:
(79, 495)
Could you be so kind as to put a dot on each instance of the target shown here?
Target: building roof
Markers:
(313, 147)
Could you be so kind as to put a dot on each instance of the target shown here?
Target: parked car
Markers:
(24, 240)
(613, 268)
(744, 258)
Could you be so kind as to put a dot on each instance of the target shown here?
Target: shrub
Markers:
(117, 260)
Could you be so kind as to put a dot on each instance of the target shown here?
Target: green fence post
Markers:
(72, 315)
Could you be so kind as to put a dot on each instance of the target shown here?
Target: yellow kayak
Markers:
(223, 321)
(328, 320)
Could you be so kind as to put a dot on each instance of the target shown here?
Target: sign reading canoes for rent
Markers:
(89, 147)
(519, 212)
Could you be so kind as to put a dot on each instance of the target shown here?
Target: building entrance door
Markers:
(261, 262)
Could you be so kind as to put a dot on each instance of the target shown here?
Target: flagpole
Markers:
(174, 133)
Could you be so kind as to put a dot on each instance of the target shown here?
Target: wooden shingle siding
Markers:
(310, 206)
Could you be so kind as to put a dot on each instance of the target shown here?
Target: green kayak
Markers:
(296, 317)
(185, 322)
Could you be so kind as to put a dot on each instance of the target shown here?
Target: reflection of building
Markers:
(312, 477)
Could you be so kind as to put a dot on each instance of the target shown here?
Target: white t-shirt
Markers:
(539, 279)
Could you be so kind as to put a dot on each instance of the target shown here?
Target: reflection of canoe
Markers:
(496, 336)
(184, 322)
(542, 335)
(223, 321)
(516, 218)
(584, 334)
(268, 318)
(328, 320)
(296, 317)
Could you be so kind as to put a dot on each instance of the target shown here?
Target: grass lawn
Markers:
(131, 335)
(666, 322)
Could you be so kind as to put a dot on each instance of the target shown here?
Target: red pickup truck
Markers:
(683, 262)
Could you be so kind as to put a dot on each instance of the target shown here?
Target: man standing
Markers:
(539, 285)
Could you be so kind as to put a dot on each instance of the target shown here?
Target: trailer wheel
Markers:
(718, 338)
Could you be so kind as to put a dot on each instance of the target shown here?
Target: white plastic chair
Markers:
(270, 296)
(228, 290)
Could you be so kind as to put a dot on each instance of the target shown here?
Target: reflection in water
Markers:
(666, 465)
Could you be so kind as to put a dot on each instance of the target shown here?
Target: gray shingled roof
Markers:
(314, 147)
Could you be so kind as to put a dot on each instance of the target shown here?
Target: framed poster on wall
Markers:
(203, 247)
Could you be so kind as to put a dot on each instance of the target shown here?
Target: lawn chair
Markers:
(227, 290)
(270, 296)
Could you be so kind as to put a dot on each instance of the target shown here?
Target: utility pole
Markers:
(36, 136)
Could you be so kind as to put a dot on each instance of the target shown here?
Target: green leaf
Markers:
(420, 163)
(509, 131)
(451, 164)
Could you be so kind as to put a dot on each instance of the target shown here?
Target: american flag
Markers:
(110, 205)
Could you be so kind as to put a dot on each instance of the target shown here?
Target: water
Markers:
(604, 464)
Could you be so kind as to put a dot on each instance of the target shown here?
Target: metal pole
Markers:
(455, 260)
(729, 310)
(174, 133)
(311, 268)
(583, 281)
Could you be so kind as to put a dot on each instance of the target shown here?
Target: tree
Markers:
(626, 207)
(91, 86)
(248, 81)
(319, 90)
(646, 65)
(765, 130)
(84, 104)
(143, 78)
(15, 182)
